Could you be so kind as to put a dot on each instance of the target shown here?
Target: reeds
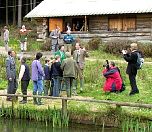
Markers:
(48, 115)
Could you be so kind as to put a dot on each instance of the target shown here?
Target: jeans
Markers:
(47, 88)
(38, 86)
(56, 86)
(132, 79)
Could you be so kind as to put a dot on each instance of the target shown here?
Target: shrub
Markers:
(146, 49)
(46, 46)
(94, 43)
(115, 46)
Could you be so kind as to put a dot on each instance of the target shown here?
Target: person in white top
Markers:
(24, 78)
(6, 38)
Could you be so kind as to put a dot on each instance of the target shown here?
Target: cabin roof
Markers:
(59, 8)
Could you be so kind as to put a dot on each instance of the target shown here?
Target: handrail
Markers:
(86, 100)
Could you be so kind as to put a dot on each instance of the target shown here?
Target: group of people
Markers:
(114, 81)
(23, 33)
(56, 75)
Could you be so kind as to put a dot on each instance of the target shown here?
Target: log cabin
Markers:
(108, 19)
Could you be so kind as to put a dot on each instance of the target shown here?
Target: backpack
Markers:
(140, 61)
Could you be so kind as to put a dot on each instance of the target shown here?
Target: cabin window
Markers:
(122, 24)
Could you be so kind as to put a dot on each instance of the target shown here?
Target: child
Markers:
(24, 77)
(57, 76)
(47, 77)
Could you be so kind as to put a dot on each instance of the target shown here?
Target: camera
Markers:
(106, 65)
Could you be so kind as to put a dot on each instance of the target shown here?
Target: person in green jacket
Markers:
(69, 67)
(61, 53)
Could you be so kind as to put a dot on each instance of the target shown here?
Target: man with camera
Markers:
(131, 58)
(113, 81)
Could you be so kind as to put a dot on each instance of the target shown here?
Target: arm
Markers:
(40, 69)
(8, 70)
(109, 73)
(62, 65)
(22, 70)
(130, 57)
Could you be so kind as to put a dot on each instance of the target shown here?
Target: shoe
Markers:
(133, 92)
(23, 102)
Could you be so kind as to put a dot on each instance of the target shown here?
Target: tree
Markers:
(19, 13)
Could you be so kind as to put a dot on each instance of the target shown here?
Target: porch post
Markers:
(151, 30)
(85, 23)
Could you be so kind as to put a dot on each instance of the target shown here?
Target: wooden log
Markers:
(86, 100)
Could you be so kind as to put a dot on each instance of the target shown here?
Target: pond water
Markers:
(32, 126)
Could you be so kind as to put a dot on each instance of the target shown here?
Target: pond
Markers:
(32, 126)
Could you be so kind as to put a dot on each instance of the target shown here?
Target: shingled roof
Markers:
(58, 8)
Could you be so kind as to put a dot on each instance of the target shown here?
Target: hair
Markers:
(60, 46)
(134, 46)
(5, 27)
(56, 57)
(112, 63)
(68, 55)
(38, 55)
(10, 51)
(23, 60)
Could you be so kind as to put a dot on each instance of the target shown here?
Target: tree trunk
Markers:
(19, 13)
(27, 7)
(14, 12)
(31, 4)
(6, 12)
(34, 3)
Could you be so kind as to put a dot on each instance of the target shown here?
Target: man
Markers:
(69, 67)
(37, 78)
(131, 58)
(68, 40)
(55, 35)
(11, 74)
(23, 38)
(113, 81)
(6, 38)
(79, 56)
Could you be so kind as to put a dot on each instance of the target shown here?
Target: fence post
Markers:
(64, 108)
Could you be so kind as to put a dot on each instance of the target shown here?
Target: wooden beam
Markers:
(85, 23)
(86, 100)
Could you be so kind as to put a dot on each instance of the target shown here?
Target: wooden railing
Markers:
(65, 99)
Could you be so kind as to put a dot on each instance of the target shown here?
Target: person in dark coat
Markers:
(24, 78)
(113, 81)
(56, 75)
(11, 74)
(131, 70)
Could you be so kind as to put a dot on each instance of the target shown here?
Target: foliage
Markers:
(94, 43)
(46, 45)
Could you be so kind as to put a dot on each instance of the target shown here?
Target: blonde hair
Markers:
(134, 46)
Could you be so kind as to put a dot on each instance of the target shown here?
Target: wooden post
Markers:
(85, 23)
(6, 12)
(64, 108)
(19, 13)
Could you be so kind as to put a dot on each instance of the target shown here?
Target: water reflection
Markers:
(32, 126)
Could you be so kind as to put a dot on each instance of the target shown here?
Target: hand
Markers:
(124, 51)
(10, 79)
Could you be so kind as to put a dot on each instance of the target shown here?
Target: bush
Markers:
(46, 46)
(94, 43)
(116, 46)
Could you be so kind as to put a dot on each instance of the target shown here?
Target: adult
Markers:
(37, 78)
(11, 74)
(79, 56)
(6, 38)
(131, 58)
(61, 53)
(68, 40)
(55, 35)
(23, 38)
(24, 78)
(113, 81)
(57, 75)
(69, 67)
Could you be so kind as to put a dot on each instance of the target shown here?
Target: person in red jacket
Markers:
(113, 81)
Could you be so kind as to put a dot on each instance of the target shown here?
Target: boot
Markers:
(39, 100)
(35, 99)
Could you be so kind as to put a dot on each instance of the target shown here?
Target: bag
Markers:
(140, 61)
